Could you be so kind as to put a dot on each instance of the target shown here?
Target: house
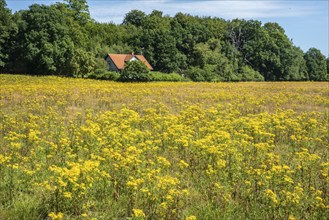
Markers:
(117, 61)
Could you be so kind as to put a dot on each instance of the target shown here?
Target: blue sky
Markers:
(305, 22)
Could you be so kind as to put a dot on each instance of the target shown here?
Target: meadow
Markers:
(87, 149)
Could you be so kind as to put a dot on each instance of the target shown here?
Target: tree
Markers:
(196, 74)
(316, 65)
(166, 55)
(207, 53)
(282, 53)
(83, 63)
(80, 10)
(217, 66)
(134, 17)
(297, 70)
(7, 29)
(249, 74)
(158, 43)
(135, 71)
(156, 13)
(47, 45)
(266, 49)
(328, 65)
(226, 70)
(250, 44)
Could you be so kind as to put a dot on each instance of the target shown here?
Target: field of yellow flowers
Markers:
(85, 149)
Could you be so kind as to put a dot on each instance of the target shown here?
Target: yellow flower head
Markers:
(138, 213)
(56, 216)
(191, 217)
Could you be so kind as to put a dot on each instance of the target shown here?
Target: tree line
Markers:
(62, 39)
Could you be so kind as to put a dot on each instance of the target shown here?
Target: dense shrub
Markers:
(249, 74)
(170, 77)
(135, 71)
(103, 74)
(214, 73)
(196, 74)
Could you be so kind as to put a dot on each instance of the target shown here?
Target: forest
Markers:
(63, 39)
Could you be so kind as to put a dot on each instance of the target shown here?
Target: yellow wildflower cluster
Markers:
(84, 149)
(56, 216)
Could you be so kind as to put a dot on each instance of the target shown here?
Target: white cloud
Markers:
(106, 11)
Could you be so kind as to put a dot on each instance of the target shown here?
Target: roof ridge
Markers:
(120, 59)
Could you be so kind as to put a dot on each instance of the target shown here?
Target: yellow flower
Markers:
(191, 217)
(270, 194)
(164, 205)
(3, 159)
(291, 217)
(68, 195)
(247, 182)
(56, 216)
(169, 198)
(163, 161)
(319, 199)
(288, 179)
(182, 164)
(138, 213)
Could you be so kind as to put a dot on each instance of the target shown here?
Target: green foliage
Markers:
(327, 65)
(297, 71)
(196, 74)
(267, 49)
(215, 65)
(49, 45)
(101, 63)
(83, 62)
(223, 73)
(316, 65)
(26, 206)
(135, 71)
(79, 10)
(7, 28)
(134, 17)
(249, 74)
(44, 40)
(103, 74)
(167, 77)
(120, 49)
(226, 70)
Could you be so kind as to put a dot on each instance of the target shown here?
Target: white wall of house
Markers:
(133, 58)
(112, 67)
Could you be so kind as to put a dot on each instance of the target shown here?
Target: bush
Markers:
(196, 74)
(102, 74)
(207, 74)
(224, 73)
(135, 71)
(249, 74)
(169, 77)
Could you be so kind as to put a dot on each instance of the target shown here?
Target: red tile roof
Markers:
(119, 60)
